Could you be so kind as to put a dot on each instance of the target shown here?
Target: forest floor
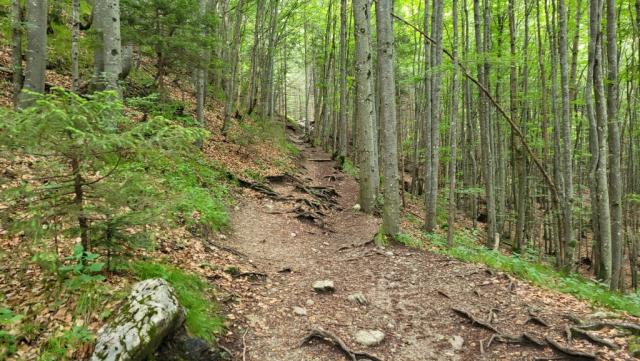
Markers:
(411, 293)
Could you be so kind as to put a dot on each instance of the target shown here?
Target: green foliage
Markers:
(7, 338)
(61, 347)
(349, 168)
(409, 241)
(172, 28)
(194, 294)
(89, 163)
(152, 105)
(539, 274)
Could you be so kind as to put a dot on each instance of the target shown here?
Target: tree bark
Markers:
(16, 50)
(36, 64)
(233, 71)
(453, 132)
(75, 42)
(386, 44)
(369, 171)
(343, 122)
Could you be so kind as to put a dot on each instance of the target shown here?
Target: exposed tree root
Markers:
(523, 339)
(634, 328)
(533, 318)
(573, 353)
(474, 320)
(331, 338)
(593, 338)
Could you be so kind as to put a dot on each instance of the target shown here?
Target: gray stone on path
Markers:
(325, 286)
(151, 312)
(369, 337)
(456, 342)
(300, 311)
(358, 298)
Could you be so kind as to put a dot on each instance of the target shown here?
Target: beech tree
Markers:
(36, 51)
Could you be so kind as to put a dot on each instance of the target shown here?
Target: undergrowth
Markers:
(466, 249)
(193, 293)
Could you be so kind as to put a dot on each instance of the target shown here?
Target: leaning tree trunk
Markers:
(369, 172)
(386, 76)
(36, 24)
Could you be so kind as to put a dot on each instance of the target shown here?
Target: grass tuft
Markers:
(194, 294)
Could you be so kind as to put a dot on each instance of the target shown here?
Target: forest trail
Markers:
(410, 293)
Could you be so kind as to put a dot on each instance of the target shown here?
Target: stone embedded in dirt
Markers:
(358, 298)
(369, 337)
(325, 286)
(150, 313)
(310, 302)
(357, 208)
(456, 342)
(300, 311)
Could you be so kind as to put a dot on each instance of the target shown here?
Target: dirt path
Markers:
(410, 293)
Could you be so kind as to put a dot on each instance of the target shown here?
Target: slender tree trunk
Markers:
(615, 172)
(596, 111)
(343, 122)
(369, 172)
(16, 50)
(233, 71)
(434, 131)
(386, 44)
(567, 158)
(201, 72)
(75, 42)
(253, 78)
(36, 24)
(454, 128)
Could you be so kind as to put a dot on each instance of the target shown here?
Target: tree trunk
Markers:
(36, 24)
(567, 165)
(386, 76)
(75, 40)
(16, 50)
(343, 122)
(615, 173)
(454, 128)
(112, 46)
(434, 131)
(231, 82)
(369, 172)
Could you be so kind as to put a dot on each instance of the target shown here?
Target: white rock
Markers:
(357, 208)
(324, 286)
(456, 342)
(358, 298)
(150, 313)
(369, 337)
(300, 311)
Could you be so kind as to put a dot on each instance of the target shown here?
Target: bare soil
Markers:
(410, 292)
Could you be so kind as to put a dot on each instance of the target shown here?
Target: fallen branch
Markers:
(589, 336)
(577, 354)
(474, 320)
(336, 341)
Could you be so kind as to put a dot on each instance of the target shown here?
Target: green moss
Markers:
(193, 293)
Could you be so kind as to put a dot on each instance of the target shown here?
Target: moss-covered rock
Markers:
(149, 315)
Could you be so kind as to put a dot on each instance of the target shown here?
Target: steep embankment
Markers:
(287, 243)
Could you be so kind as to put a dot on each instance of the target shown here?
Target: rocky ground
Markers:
(394, 303)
